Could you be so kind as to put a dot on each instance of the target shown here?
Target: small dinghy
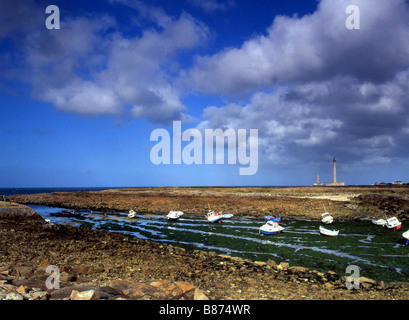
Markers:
(68, 214)
(214, 216)
(405, 236)
(274, 219)
(393, 223)
(174, 215)
(131, 214)
(329, 233)
(227, 216)
(326, 218)
(271, 228)
(380, 222)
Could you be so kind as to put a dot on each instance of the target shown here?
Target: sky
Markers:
(79, 103)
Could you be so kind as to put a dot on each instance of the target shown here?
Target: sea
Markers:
(14, 191)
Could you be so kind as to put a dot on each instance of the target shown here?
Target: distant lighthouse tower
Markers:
(334, 182)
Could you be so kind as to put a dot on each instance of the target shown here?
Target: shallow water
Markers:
(377, 251)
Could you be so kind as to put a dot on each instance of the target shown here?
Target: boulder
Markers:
(18, 213)
(84, 295)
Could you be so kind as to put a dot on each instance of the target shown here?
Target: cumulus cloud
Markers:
(314, 47)
(88, 67)
(315, 88)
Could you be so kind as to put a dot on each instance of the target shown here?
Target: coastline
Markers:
(100, 259)
(125, 267)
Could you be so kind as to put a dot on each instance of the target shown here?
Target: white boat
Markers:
(379, 222)
(227, 216)
(326, 218)
(174, 215)
(271, 227)
(393, 223)
(405, 236)
(329, 233)
(214, 216)
(131, 214)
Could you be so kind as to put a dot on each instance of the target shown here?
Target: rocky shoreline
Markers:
(100, 265)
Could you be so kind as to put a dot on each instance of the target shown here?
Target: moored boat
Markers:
(214, 216)
(329, 233)
(271, 228)
(131, 214)
(174, 215)
(274, 219)
(380, 222)
(393, 223)
(326, 218)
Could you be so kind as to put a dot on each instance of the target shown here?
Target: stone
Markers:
(199, 295)
(283, 266)
(272, 263)
(14, 296)
(328, 285)
(84, 295)
(21, 290)
(24, 271)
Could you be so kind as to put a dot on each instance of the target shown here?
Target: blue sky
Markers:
(78, 104)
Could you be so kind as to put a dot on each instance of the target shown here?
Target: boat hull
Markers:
(270, 232)
(215, 219)
(274, 219)
(329, 233)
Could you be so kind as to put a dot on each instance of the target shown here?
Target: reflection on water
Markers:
(374, 249)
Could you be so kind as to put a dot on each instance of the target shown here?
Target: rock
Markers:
(283, 266)
(21, 290)
(14, 296)
(199, 295)
(260, 263)
(298, 270)
(367, 281)
(272, 263)
(25, 272)
(84, 295)
(328, 285)
(19, 213)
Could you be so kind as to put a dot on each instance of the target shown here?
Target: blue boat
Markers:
(274, 219)
(271, 228)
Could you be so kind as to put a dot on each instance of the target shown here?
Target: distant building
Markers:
(398, 183)
(318, 183)
(334, 182)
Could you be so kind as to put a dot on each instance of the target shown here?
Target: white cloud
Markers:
(88, 67)
(314, 47)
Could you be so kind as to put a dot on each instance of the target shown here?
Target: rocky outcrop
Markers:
(18, 213)
(378, 205)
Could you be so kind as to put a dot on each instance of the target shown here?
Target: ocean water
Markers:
(13, 191)
(377, 251)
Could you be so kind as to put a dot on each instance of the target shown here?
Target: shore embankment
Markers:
(346, 203)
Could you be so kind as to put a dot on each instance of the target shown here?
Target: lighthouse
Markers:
(334, 182)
